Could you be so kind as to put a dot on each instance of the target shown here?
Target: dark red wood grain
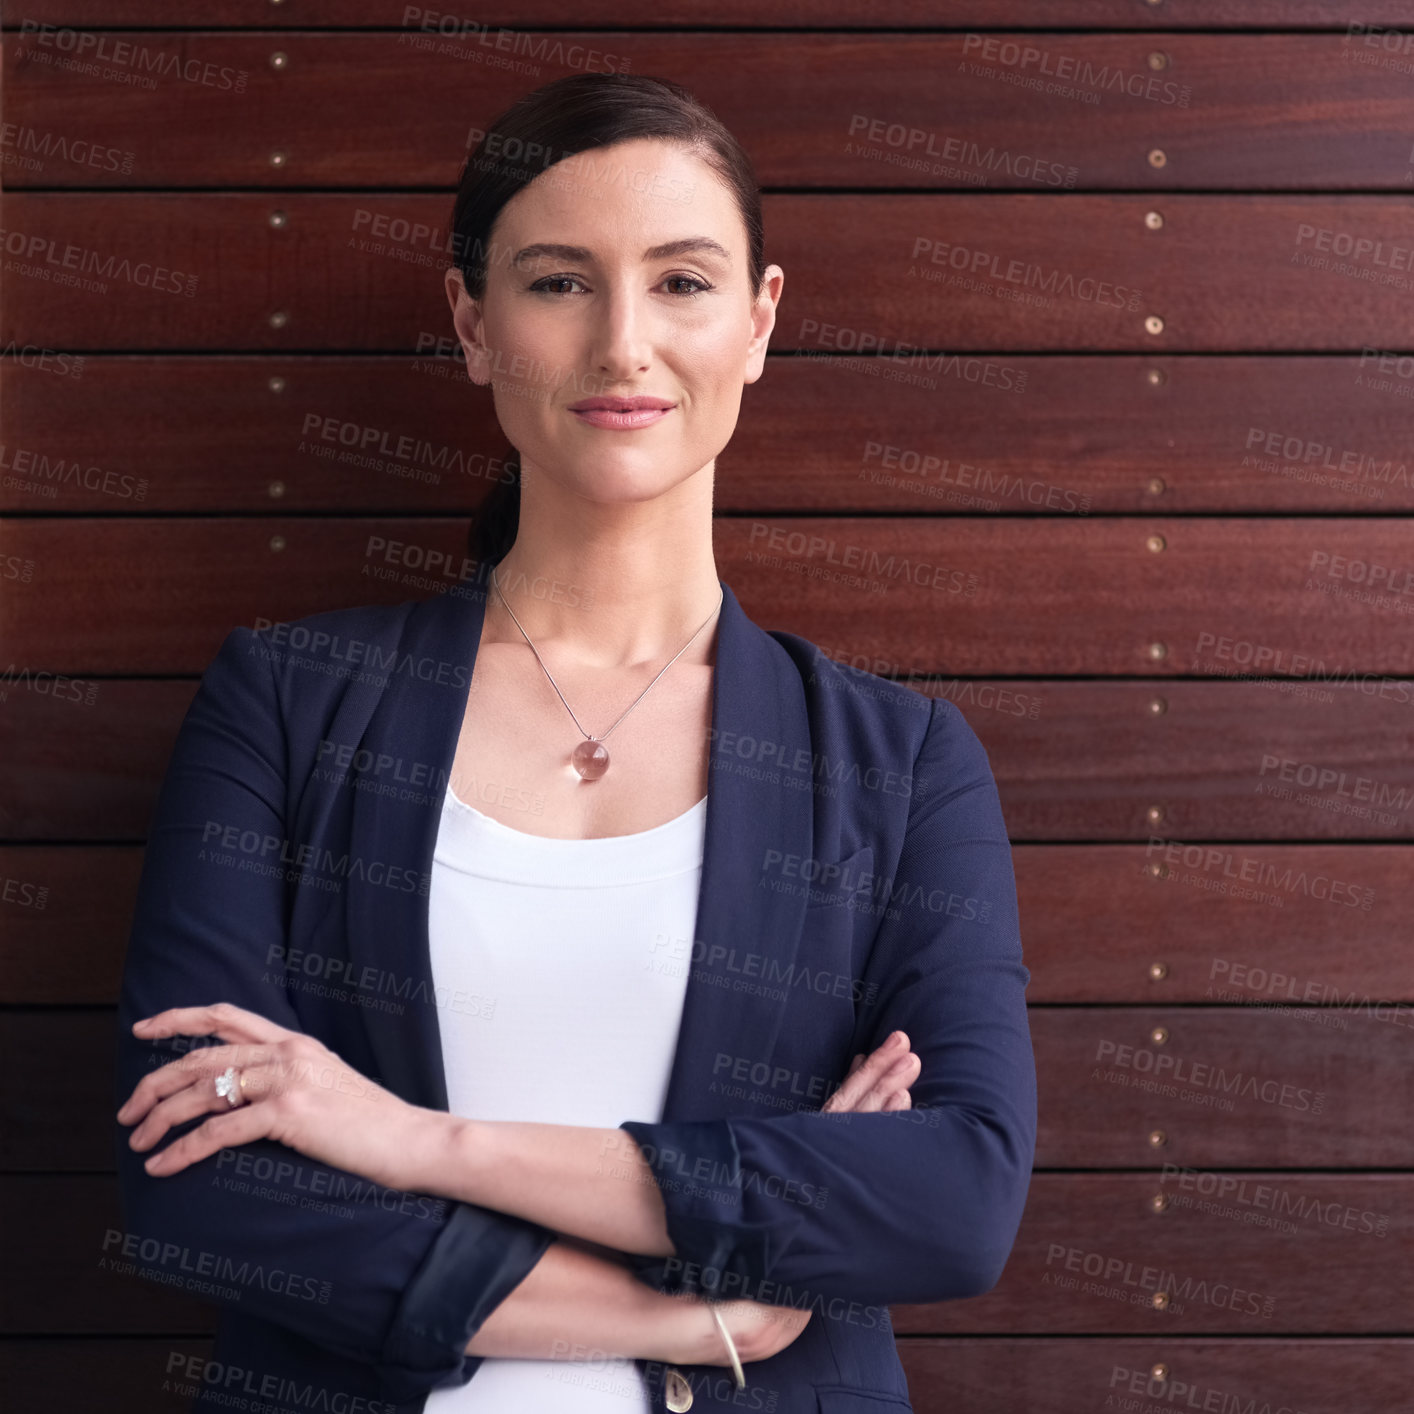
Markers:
(1148, 596)
(1325, 1280)
(734, 14)
(1260, 925)
(1234, 1086)
(1010, 272)
(1036, 111)
(1064, 435)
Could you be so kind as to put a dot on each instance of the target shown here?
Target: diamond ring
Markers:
(228, 1083)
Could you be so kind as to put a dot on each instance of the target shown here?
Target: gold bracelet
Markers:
(731, 1344)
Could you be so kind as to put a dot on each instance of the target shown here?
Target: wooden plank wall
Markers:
(1114, 321)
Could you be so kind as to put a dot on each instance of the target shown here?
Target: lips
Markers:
(636, 404)
(622, 414)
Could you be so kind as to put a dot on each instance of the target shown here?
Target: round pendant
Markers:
(590, 759)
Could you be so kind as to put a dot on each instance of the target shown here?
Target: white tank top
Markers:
(563, 966)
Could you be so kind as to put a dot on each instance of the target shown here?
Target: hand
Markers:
(295, 1090)
(758, 1331)
(689, 1334)
(879, 1083)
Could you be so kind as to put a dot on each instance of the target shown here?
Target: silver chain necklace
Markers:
(591, 757)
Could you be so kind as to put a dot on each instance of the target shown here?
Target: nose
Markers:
(623, 336)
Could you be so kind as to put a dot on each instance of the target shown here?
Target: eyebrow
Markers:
(703, 245)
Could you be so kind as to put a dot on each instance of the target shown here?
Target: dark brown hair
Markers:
(558, 120)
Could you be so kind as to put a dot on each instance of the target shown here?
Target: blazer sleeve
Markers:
(917, 1205)
(398, 1281)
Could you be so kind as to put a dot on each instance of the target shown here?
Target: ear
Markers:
(467, 320)
(763, 321)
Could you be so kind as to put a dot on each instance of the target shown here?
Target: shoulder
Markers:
(853, 710)
(316, 659)
(846, 698)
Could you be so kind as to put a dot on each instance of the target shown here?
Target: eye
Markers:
(701, 285)
(541, 284)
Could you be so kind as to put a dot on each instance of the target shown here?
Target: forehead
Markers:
(620, 202)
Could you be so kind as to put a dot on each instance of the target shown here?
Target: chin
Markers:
(615, 480)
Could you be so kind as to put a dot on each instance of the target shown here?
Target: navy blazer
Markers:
(857, 878)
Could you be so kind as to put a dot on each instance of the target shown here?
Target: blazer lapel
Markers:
(756, 802)
(416, 725)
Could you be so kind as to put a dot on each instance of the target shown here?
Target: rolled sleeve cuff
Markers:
(474, 1265)
(721, 1247)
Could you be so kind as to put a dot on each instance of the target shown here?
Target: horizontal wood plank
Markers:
(1023, 435)
(1223, 762)
(1148, 596)
(1181, 1089)
(1257, 924)
(730, 14)
(1019, 272)
(1094, 1250)
(66, 1273)
(968, 1375)
(1038, 111)
(946, 1375)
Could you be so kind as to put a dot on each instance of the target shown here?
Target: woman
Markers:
(612, 1004)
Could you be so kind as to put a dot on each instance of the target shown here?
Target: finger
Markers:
(174, 1110)
(195, 1068)
(899, 1076)
(223, 1019)
(899, 1100)
(223, 1131)
(856, 1084)
(859, 1082)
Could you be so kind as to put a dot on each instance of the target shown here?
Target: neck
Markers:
(630, 590)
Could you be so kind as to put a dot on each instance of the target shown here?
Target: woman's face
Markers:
(619, 273)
